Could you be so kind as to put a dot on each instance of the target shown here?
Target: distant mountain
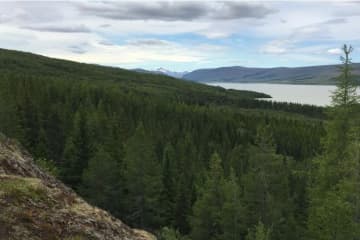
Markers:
(162, 71)
(298, 75)
(171, 73)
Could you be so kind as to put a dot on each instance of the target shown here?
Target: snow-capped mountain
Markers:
(171, 73)
(162, 71)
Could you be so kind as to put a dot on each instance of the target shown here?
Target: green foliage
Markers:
(334, 210)
(169, 171)
(100, 182)
(170, 234)
(332, 217)
(20, 189)
(232, 212)
(48, 166)
(345, 94)
(207, 208)
(140, 145)
(267, 196)
(260, 233)
(142, 174)
(77, 151)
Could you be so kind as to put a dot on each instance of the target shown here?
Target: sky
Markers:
(183, 35)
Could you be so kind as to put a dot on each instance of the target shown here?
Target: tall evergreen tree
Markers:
(206, 219)
(100, 181)
(334, 190)
(142, 172)
(169, 175)
(259, 233)
(77, 152)
(266, 194)
(231, 219)
(185, 192)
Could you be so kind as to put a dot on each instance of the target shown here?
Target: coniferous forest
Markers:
(185, 160)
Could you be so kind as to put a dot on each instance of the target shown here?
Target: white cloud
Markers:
(276, 47)
(206, 34)
(335, 51)
(130, 53)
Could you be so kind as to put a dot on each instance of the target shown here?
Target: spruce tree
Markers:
(100, 181)
(77, 151)
(186, 156)
(142, 173)
(260, 232)
(206, 219)
(266, 190)
(334, 189)
(231, 219)
(169, 175)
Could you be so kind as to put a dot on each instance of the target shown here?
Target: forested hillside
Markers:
(179, 159)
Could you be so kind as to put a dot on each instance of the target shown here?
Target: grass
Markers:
(22, 188)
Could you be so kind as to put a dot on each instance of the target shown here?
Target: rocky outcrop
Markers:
(35, 205)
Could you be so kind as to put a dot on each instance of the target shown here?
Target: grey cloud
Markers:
(175, 11)
(236, 10)
(105, 25)
(335, 21)
(105, 43)
(165, 11)
(62, 29)
(320, 30)
(78, 49)
(148, 42)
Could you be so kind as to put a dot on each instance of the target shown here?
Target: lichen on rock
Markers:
(35, 205)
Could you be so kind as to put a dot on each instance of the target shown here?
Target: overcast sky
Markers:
(183, 35)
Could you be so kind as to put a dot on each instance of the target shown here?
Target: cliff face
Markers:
(35, 205)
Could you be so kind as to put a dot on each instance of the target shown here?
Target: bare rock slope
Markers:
(35, 205)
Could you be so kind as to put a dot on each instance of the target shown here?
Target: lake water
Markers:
(319, 95)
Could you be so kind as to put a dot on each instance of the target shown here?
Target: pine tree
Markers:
(345, 93)
(142, 173)
(232, 210)
(186, 156)
(334, 211)
(266, 194)
(341, 120)
(77, 152)
(259, 233)
(100, 181)
(41, 150)
(9, 122)
(206, 219)
(169, 181)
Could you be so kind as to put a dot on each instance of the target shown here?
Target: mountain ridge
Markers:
(148, 84)
(323, 74)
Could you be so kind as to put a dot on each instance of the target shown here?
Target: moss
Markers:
(22, 188)
(47, 166)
